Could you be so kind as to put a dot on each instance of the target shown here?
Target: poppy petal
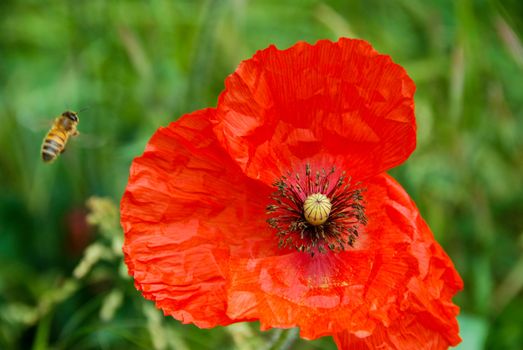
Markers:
(341, 100)
(407, 333)
(184, 196)
(396, 268)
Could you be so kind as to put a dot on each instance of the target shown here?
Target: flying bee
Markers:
(64, 126)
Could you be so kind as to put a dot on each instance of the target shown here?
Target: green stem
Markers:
(43, 330)
(283, 339)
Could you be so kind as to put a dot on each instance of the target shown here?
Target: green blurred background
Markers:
(137, 65)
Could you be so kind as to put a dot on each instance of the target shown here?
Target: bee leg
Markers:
(62, 151)
(76, 133)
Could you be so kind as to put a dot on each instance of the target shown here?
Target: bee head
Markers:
(71, 115)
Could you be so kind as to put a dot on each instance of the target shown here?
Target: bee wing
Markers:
(89, 140)
(35, 125)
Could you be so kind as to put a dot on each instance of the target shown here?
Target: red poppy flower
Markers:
(275, 206)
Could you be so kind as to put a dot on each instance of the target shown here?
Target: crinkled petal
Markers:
(186, 207)
(406, 333)
(395, 269)
(341, 100)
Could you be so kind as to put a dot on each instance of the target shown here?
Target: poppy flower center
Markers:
(316, 209)
(316, 212)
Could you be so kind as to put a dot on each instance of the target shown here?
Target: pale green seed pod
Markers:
(316, 209)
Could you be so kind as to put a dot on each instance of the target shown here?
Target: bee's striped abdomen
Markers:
(56, 139)
(53, 145)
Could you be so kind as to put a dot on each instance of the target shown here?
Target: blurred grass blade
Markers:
(334, 21)
(509, 288)
(155, 327)
(283, 339)
(510, 39)
(41, 341)
(111, 304)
